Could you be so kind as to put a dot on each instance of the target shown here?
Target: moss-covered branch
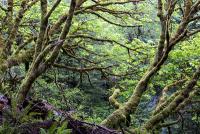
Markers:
(40, 64)
(43, 28)
(163, 96)
(165, 103)
(112, 98)
(184, 94)
(14, 60)
(25, 5)
(187, 100)
(131, 105)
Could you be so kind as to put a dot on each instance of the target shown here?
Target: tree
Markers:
(58, 37)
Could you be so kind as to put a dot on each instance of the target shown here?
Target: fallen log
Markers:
(42, 107)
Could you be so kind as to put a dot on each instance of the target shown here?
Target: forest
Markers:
(99, 66)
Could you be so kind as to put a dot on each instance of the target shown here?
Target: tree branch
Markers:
(112, 99)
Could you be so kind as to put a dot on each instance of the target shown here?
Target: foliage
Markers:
(76, 58)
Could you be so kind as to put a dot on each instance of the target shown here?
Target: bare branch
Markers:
(102, 40)
(76, 69)
(110, 22)
(52, 9)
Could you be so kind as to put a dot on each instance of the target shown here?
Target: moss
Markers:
(171, 107)
(112, 98)
(116, 118)
(165, 103)
(14, 60)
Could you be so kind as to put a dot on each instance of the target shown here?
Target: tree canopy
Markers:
(99, 66)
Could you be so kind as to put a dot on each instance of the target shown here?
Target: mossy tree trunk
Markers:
(40, 64)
